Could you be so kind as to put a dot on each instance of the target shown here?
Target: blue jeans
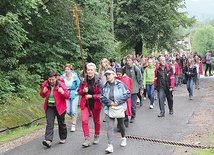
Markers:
(72, 105)
(151, 92)
(190, 86)
(163, 94)
(134, 100)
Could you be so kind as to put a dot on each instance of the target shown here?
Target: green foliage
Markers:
(13, 36)
(154, 23)
(203, 39)
(6, 88)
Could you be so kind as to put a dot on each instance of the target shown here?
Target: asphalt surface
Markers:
(171, 128)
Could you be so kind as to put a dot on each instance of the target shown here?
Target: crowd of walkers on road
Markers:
(117, 86)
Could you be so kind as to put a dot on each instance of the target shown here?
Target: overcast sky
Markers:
(200, 8)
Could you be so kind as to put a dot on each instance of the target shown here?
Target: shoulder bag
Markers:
(116, 111)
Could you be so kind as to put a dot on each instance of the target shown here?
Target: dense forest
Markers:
(38, 36)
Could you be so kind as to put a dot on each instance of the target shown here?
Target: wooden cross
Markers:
(76, 11)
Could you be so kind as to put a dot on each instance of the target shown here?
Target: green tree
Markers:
(151, 24)
(203, 39)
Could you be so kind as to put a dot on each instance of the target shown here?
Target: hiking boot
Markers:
(109, 149)
(161, 114)
(62, 141)
(123, 142)
(86, 143)
(96, 139)
(47, 143)
(73, 128)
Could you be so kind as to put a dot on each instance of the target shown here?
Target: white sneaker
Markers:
(73, 127)
(123, 142)
(62, 141)
(151, 107)
(109, 149)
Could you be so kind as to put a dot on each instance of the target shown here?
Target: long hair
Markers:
(101, 69)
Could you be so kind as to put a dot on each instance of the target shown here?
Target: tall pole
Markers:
(112, 17)
(76, 11)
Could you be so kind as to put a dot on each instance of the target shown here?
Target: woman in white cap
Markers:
(114, 93)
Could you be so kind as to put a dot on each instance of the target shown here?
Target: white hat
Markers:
(109, 72)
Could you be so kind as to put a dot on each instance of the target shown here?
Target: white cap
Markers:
(109, 72)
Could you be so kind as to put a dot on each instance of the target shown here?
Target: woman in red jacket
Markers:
(55, 93)
(90, 102)
(128, 82)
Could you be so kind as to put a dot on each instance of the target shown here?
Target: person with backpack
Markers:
(55, 93)
(134, 73)
(164, 84)
(89, 91)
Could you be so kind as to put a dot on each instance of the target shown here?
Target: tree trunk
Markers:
(138, 47)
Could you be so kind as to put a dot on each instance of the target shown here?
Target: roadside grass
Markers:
(19, 132)
(210, 140)
(13, 134)
(11, 108)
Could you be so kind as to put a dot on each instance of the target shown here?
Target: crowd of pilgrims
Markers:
(127, 83)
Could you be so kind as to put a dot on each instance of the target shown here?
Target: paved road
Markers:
(171, 127)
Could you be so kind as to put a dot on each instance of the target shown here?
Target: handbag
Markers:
(116, 111)
(204, 60)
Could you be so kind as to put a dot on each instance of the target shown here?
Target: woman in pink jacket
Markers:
(55, 93)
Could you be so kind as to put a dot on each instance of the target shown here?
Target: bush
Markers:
(18, 84)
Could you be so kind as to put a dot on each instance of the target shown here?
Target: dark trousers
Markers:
(134, 100)
(208, 66)
(50, 117)
(162, 94)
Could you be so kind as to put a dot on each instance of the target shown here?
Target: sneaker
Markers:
(86, 143)
(96, 139)
(109, 149)
(144, 98)
(190, 97)
(123, 142)
(151, 107)
(171, 112)
(210, 74)
(47, 143)
(62, 141)
(73, 128)
(205, 75)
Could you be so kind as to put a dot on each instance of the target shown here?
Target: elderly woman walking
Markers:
(114, 94)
